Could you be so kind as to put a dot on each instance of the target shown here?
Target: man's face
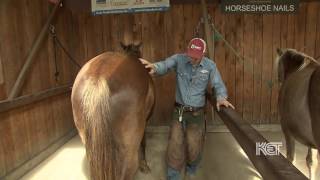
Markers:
(195, 61)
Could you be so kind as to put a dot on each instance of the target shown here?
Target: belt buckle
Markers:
(188, 108)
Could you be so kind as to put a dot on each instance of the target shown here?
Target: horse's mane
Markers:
(132, 49)
(291, 60)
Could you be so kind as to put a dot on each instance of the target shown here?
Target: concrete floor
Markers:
(223, 160)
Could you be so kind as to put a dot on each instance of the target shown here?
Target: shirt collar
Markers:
(201, 62)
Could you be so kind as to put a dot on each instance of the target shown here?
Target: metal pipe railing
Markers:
(275, 167)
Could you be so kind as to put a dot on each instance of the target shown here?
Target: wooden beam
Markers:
(210, 43)
(208, 33)
(1, 72)
(26, 67)
(78, 6)
(28, 99)
(270, 167)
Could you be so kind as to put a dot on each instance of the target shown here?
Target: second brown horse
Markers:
(112, 98)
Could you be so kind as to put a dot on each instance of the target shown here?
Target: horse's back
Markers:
(294, 108)
(120, 70)
(105, 65)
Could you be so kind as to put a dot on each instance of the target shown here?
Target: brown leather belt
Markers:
(188, 108)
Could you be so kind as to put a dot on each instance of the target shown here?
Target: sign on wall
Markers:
(259, 6)
(127, 6)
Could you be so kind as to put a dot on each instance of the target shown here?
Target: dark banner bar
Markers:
(259, 6)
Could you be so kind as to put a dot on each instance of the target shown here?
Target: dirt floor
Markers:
(223, 160)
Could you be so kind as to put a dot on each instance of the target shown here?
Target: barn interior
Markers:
(43, 44)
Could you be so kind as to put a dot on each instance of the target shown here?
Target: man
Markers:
(194, 72)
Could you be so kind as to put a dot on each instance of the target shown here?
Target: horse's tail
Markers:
(100, 146)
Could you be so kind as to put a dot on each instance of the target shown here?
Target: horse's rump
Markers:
(111, 98)
(294, 95)
(314, 104)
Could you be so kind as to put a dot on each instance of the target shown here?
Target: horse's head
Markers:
(132, 49)
(289, 61)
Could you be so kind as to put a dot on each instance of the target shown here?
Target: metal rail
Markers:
(275, 167)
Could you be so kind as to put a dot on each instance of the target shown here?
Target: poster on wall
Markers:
(127, 6)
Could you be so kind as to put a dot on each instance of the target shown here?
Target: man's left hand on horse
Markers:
(224, 102)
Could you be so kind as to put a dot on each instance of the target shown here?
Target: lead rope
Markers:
(54, 36)
(57, 41)
(196, 32)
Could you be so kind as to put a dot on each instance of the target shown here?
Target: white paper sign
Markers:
(127, 6)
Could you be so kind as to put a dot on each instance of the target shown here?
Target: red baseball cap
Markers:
(196, 48)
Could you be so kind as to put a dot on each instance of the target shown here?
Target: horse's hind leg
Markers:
(309, 161)
(143, 162)
(290, 144)
(148, 110)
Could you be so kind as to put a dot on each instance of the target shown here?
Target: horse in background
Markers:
(299, 101)
(112, 98)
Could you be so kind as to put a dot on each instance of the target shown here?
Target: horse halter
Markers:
(306, 61)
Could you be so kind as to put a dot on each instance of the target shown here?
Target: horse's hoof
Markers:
(309, 163)
(144, 167)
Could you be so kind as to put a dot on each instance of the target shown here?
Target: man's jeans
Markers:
(173, 174)
(185, 144)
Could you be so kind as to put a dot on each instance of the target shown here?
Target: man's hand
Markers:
(148, 65)
(225, 103)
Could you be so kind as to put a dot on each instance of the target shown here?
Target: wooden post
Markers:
(209, 37)
(1, 73)
(22, 75)
(7, 105)
(2, 85)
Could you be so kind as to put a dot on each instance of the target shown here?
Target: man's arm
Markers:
(220, 89)
(218, 85)
(161, 67)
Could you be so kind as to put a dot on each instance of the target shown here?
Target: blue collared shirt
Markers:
(192, 80)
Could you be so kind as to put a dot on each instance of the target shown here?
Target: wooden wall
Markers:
(21, 23)
(251, 84)
(26, 131)
(29, 130)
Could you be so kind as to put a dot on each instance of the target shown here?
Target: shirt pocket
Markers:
(201, 80)
(182, 74)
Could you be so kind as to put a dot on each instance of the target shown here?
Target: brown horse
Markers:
(112, 98)
(299, 100)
